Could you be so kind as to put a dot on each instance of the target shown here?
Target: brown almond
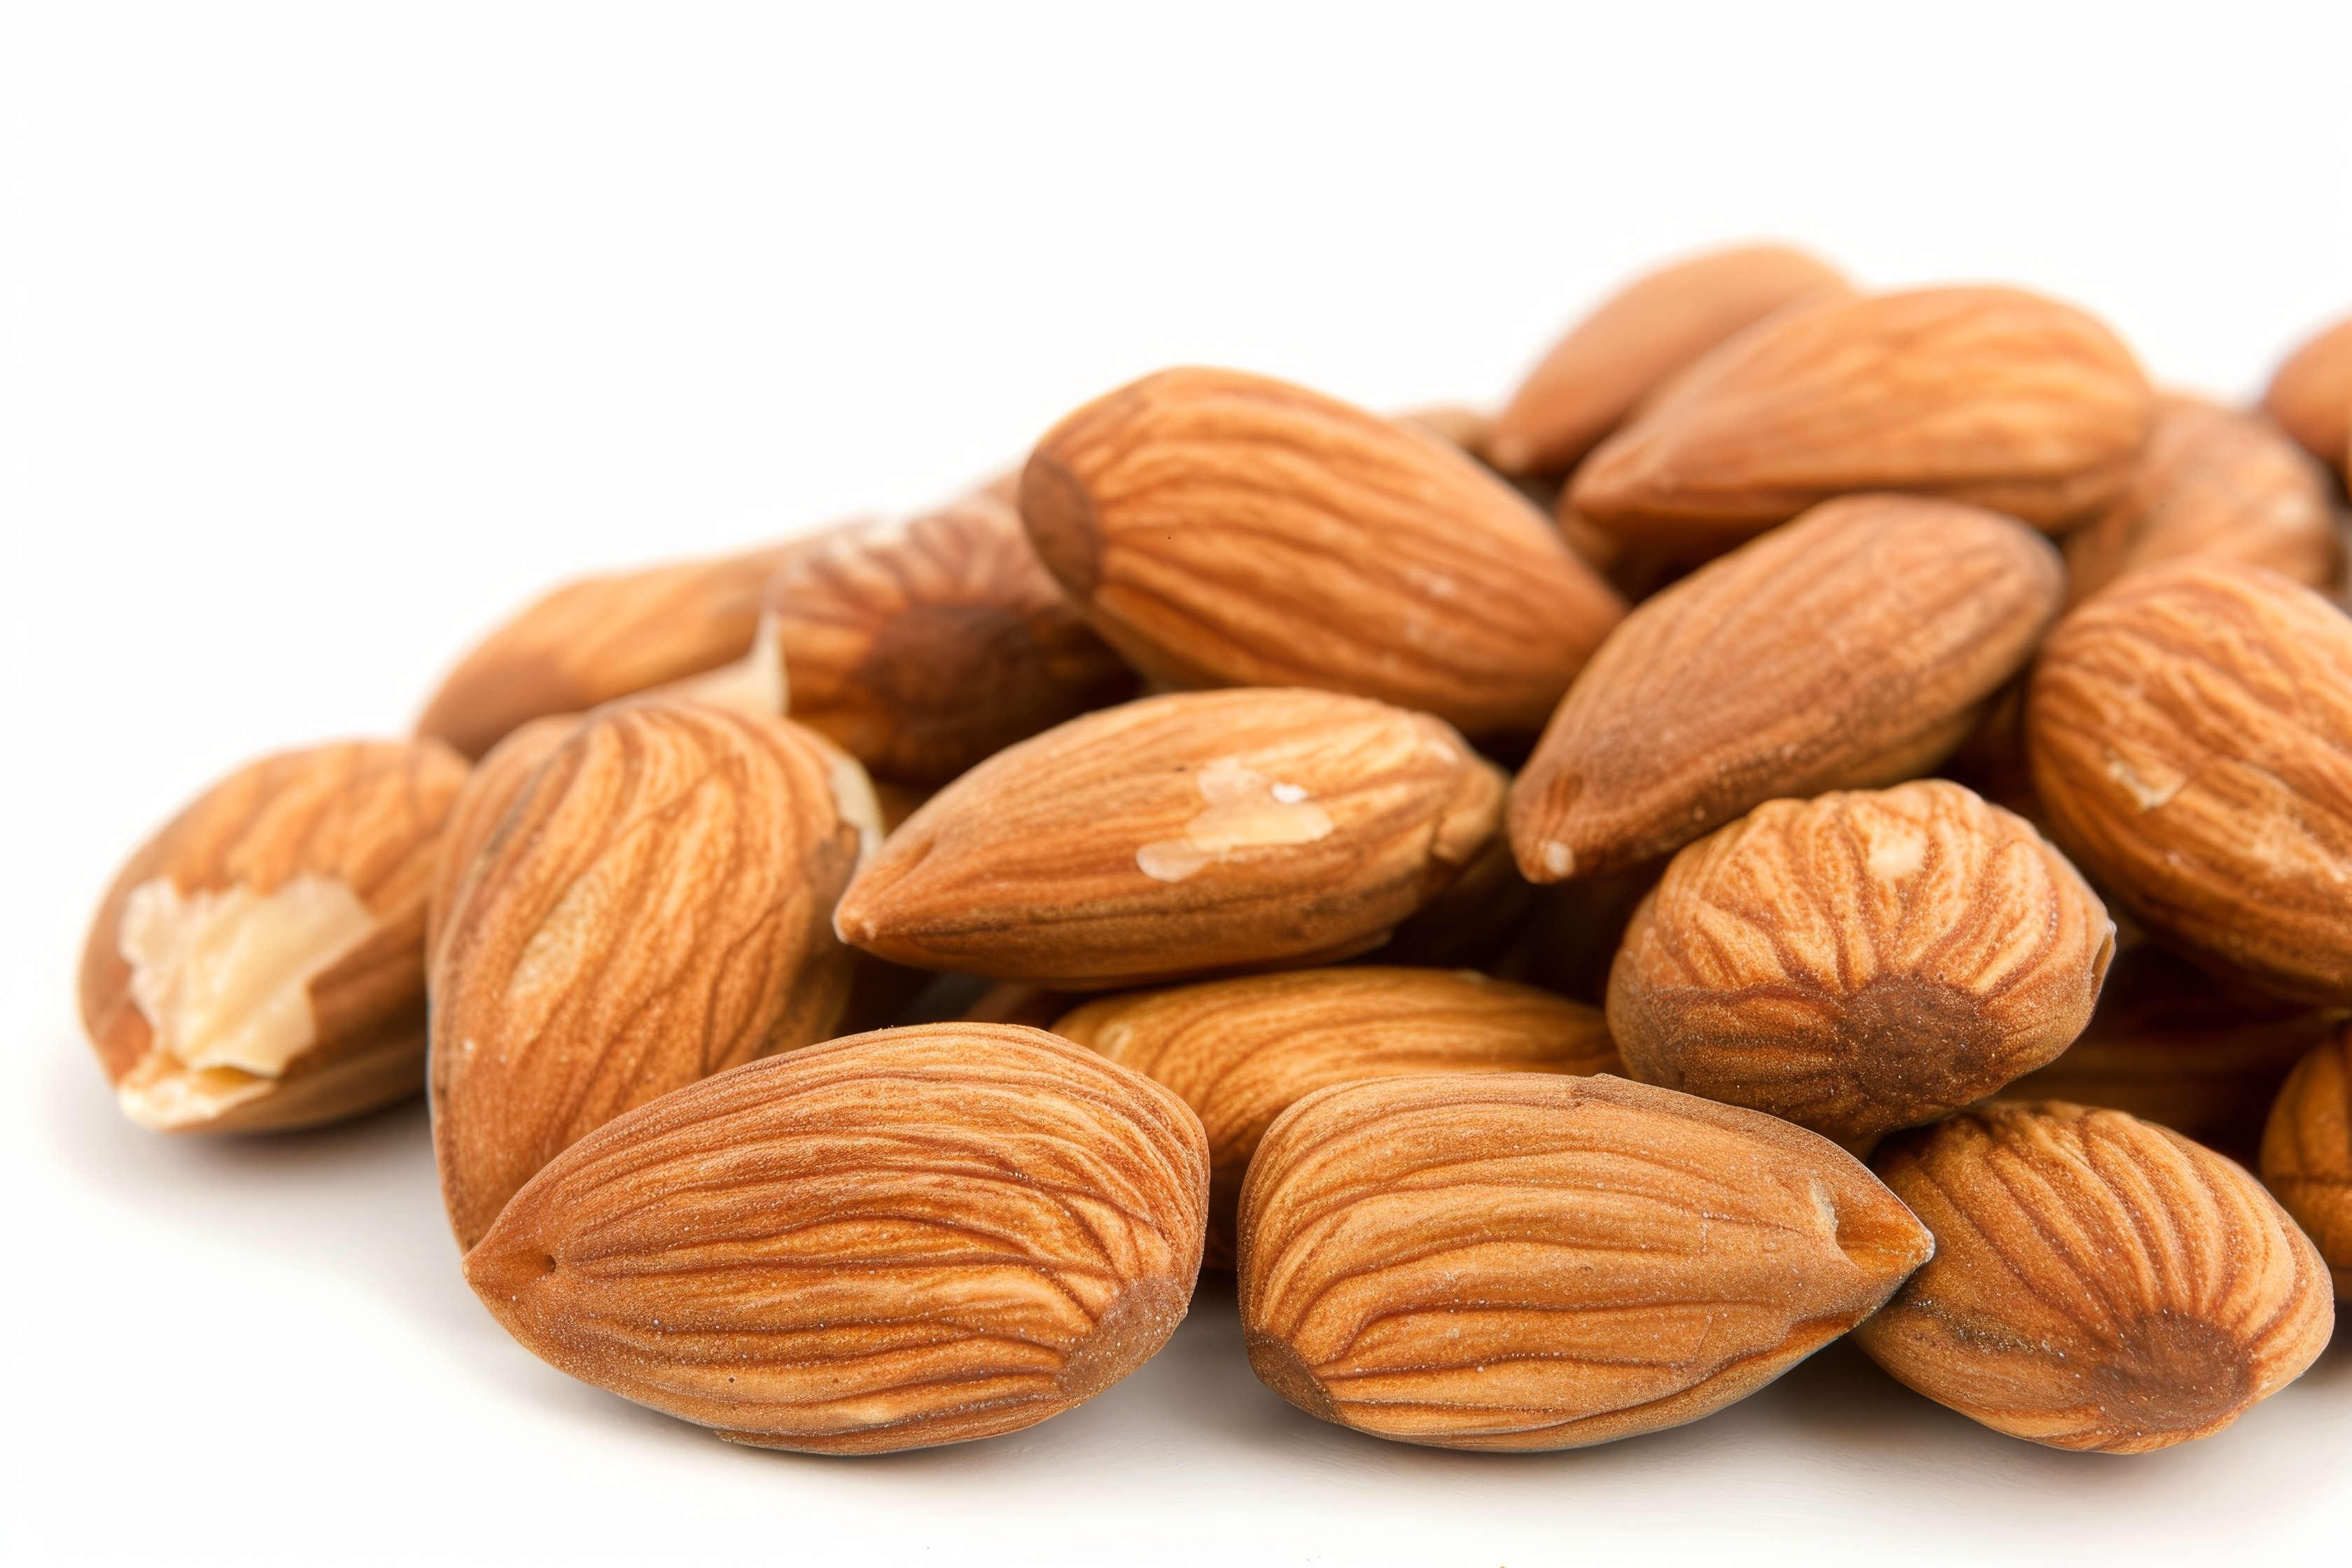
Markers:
(1240, 1052)
(1224, 528)
(2099, 1282)
(2307, 1151)
(1520, 1260)
(915, 1237)
(1854, 648)
(1987, 395)
(1179, 835)
(2311, 396)
(488, 790)
(259, 963)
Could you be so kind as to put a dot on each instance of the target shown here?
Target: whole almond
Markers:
(1178, 835)
(903, 1238)
(1987, 395)
(1852, 648)
(2307, 1151)
(654, 905)
(259, 962)
(2188, 730)
(1519, 1260)
(1224, 528)
(1862, 962)
(1638, 339)
(2099, 1282)
(2311, 396)
(1240, 1052)
(481, 805)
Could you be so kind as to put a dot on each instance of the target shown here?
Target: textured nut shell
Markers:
(489, 789)
(898, 1239)
(370, 813)
(2311, 396)
(599, 639)
(2307, 1151)
(1849, 649)
(922, 646)
(2213, 482)
(1636, 340)
(2189, 731)
(2099, 1282)
(1862, 962)
(1031, 866)
(1518, 1260)
(654, 905)
(1240, 1052)
(1987, 395)
(1227, 530)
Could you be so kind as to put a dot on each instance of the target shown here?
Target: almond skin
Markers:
(2099, 1282)
(345, 838)
(489, 789)
(1854, 648)
(1520, 1260)
(1179, 835)
(2311, 396)
(1224, 528)
(2188, 732)
(1862, 962)
(899, 1239)
(654, 905)
(1637, 339)
(2307, 1151)
(1240, 1052)
(1987, 395)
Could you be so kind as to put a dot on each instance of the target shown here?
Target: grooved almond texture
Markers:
(1987, 395)
(1227, 530)
(1241, 1051)
(481, 806)
(1518, 1260)
(2099, 1282)
(2189, 731)
(2311, 396)
(655, 905)
(2307, 1151)
(902, 1238)
(1638, 339)
(1852, 648)
(1862, 962)
(1178, 835)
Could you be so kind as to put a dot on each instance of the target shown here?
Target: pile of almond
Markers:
(1830, 813)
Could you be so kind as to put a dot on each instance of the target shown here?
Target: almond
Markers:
(1224, 528)
(1852, 648)
(259, 962)
(1519, 1260)
(654, 906)
(1987, 395)
(2188, 730)
(2099, 1282)
(1178, 835)
(488, 790)
(2311, 396)
(1240, 1052)
(2307, 1151)
(1862, 962)
(1638, 338)
(903, 1238)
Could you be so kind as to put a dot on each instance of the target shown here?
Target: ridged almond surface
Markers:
(1520, 1260)
(1852, 648)
(1987, 395)
(1636, 340)
(591, 641)
(923, 646)
(2099, 1282)
(2189, 733)
(481, 806)
(2213, 482)
(1240, 1052)
(1224, 528)
(2311, 396)
(2307, 1151)
(1862, 962)
(1178, 835)
(898, 1239)
(654, 905)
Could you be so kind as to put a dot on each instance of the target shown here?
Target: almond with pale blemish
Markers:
(1181, 836)
(2307, 1151)
(654, 906)
(2189, 733)
(2099, 1282)
(2311, 396)
(259, 962)
(1862, 962)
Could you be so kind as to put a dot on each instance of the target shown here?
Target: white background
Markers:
(333, 331)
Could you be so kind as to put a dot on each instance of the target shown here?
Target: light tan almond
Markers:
(488, 790)
(2307, 1151)
(2311, 396)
